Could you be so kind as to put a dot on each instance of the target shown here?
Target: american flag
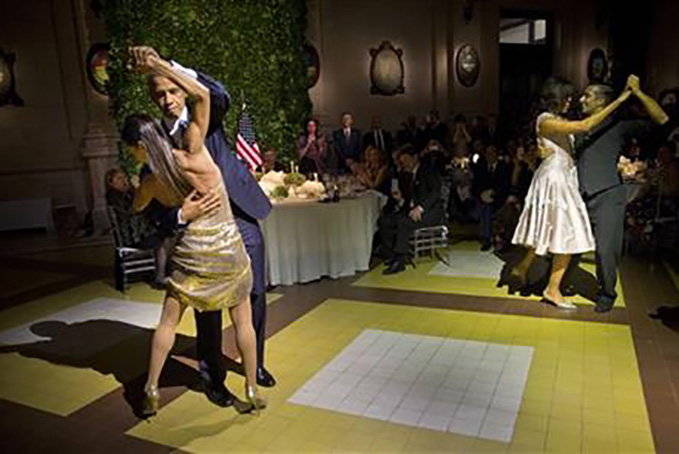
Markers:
(246, 144)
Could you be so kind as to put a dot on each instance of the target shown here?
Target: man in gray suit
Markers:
(600, 184)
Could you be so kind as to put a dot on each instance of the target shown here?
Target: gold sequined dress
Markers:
(209, 266)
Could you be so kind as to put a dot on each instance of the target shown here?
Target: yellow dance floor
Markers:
(482, 274)
(582, 390)
(44, 361)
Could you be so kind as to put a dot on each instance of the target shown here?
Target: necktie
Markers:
(179, 133)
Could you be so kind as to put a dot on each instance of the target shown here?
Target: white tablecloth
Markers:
(305, 241)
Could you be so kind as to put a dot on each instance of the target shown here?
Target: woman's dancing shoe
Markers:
(563, 304)
(258, 403)
(150, 404)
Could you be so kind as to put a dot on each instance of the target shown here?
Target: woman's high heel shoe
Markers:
(563, 304)
(252, 396)
(150, 404)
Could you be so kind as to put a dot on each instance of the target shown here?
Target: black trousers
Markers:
(397, 227)
(607, 214)
(209, 323)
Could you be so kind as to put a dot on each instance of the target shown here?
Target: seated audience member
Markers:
(416, 205)
(410, 133)
(374, 172)
(507, 217)
(633, 149)
(491, 187)
(479, 129)
(271, 161)
(312, 150)
(347, 144)
(461, 136)
(435, 156)
(461, 204)
(659, 196)
(493, 129)
(378, 137)
(135, 229)
(434, 129)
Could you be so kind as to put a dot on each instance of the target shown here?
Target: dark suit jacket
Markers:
(247, 198)
(248, 201)
(345, 149)
(598, 151)
(498, 180)
(426, 192)
(369, 140)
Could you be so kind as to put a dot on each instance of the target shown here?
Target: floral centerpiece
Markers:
(280, 186)
(632, 171)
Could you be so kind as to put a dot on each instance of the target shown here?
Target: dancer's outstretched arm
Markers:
(200, 115)
(147, 60)
(654, 110)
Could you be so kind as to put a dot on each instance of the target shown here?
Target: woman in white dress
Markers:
(554, 219)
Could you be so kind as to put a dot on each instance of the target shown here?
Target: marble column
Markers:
(99, 147)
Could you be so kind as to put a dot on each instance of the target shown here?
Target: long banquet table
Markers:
(308, 240)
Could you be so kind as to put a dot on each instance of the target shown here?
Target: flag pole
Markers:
(242, 100)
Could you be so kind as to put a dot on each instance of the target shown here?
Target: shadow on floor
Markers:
(111, 348)
(669, 316)
(577, 281)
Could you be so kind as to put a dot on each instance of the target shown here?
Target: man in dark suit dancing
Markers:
(249, 204)
(417, 206)
(604, 194)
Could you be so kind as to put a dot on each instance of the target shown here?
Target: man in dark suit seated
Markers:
(378, 137)
(416, 204)
(347, 144)
(491, 187)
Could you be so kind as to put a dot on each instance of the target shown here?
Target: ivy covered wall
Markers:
(254, 47)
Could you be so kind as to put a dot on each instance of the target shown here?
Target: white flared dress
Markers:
(554, 219)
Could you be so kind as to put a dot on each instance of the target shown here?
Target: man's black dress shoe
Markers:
(569, 291)
(603, 304)
(395, 267)
(219, 395)
(264, 378)
(485, 246)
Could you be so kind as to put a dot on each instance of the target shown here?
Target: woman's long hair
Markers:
(554, 93)
(147, 130)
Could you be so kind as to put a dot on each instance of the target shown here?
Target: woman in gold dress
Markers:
(209, 267)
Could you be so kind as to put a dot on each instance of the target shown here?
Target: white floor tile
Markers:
(471, 413)
(405, 416)
(467, 387)
(465, 427)
(378, 412)
(497, 432)
(441, 409)
(481, 400)
(434, 421)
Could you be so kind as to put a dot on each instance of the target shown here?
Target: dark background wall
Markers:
(61, 142)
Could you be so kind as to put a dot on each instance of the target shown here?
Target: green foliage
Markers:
(254, 47)
(280, 192)
(294, 179)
